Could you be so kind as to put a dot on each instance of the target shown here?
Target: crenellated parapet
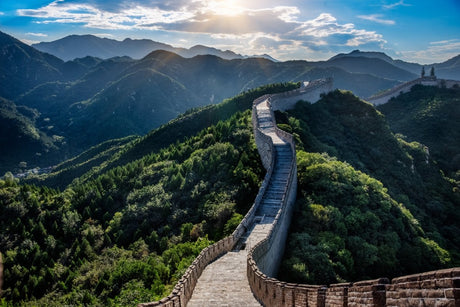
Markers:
(309, 91)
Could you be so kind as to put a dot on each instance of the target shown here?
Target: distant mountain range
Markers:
(370, 62)
(449, 69)
(77, 104)
(78, 46)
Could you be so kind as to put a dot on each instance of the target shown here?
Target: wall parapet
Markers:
(430, 289)
(385, 96)
(310, 92)
(183, 289)
(402, 291)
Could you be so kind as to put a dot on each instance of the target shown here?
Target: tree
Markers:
(432, 71)
(423, 71)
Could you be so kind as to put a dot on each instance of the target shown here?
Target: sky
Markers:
(422, 31)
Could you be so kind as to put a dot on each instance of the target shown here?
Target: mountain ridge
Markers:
(77, 46)
(72, 98)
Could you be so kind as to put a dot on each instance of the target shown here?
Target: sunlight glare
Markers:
(225, 7)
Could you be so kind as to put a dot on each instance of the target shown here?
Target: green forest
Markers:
(120, 223)
(370, 204)
(125, 232)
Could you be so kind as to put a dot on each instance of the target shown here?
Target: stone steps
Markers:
(224, 282)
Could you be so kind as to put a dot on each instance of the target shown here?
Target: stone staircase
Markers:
(240, 267)
(272, 199)
(219, 275)
(224, 282)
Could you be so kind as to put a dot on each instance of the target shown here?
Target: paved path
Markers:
(224, 282)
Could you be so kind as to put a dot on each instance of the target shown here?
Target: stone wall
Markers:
(437, 288)
(271, 249)
(264, 142)
(184, 288)
(310, 92)
(367, 293)
(430, 289)
(406, 87)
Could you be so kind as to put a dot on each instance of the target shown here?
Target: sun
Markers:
(226, 7)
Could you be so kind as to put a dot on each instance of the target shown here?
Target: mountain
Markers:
(90, 100)
(364, 54)
(449, 69)
(23, 67)
(372, 66)
(78, 46)
(133, 96)
(22, 143)
(139, 225)
(337, 201)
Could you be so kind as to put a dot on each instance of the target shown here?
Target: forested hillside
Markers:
(113, 153)
(429, 115)
(124, 234)
(374, 205)
(86, 101)
(20, 140)
(134, 212)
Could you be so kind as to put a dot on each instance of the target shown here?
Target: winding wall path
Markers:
(240, 268)
(224, 282)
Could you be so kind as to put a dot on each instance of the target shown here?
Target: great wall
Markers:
(240, 270)
(385, 96)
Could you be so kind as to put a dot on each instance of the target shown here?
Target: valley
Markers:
(88, 100)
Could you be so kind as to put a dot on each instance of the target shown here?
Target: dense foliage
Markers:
(129, 234)
(113, 153)
(415, 193)
(429, 115)
(134, 212)
(21, 142)
(348, 228)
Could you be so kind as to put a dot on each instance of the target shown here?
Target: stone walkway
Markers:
(224, 282)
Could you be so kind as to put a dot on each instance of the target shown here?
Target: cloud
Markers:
(102, 35)
(445, 42)
(37, 34)
(280, 29)
(90, 16)
(393, 5)
(377, 18)
(326, 28)
(437, 51)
